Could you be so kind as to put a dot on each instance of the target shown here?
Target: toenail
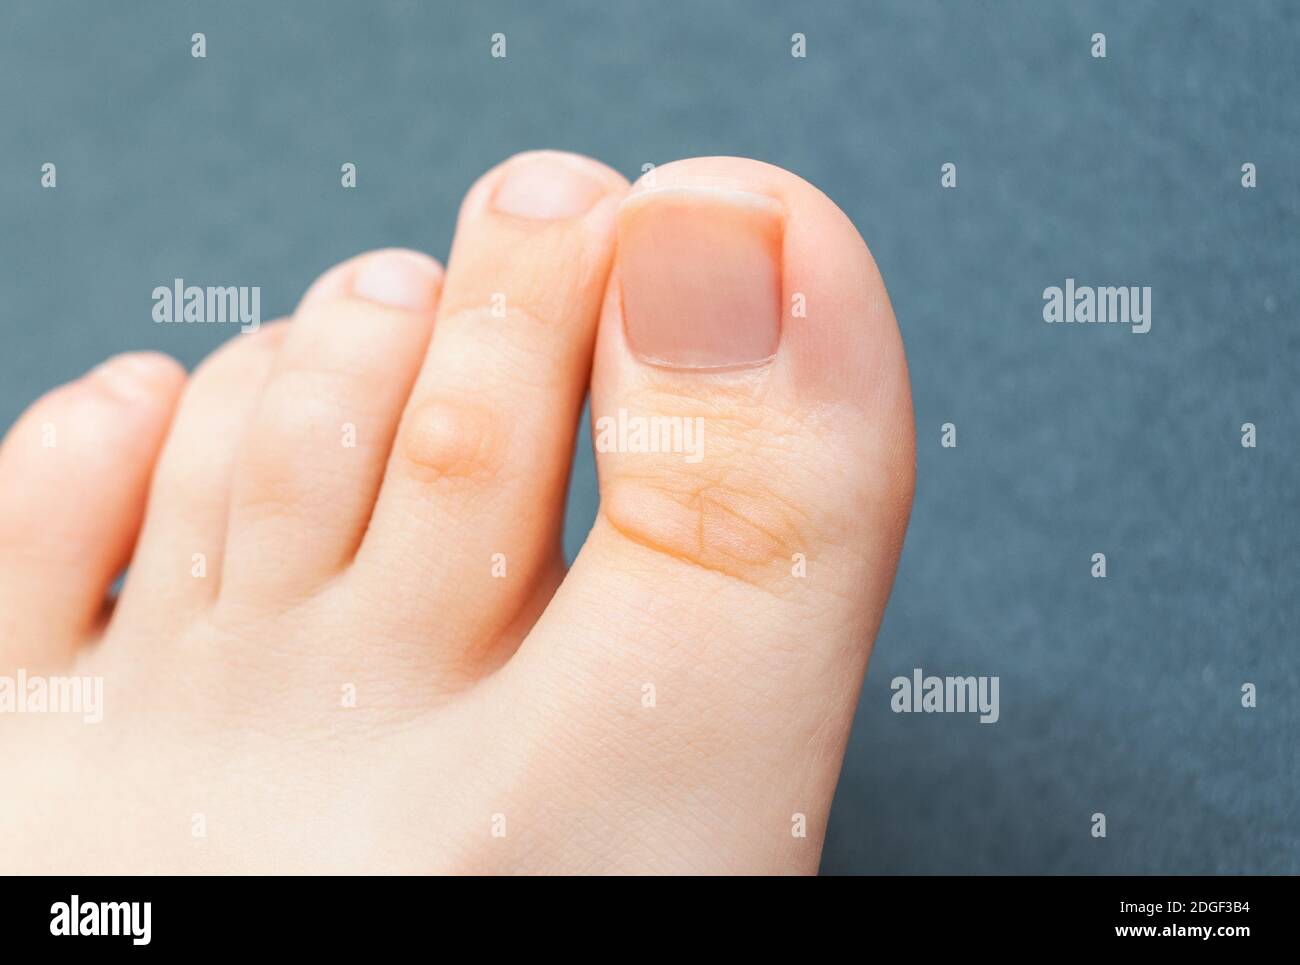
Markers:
(133, 376)
(546, 186)
(400, 279)
(700, 268)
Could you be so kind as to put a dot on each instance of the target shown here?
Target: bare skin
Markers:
(369, 657)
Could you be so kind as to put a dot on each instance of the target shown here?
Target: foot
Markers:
(347, 640)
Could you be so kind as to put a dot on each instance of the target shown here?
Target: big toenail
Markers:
(400, 279)
(700, 269)
(546, 186)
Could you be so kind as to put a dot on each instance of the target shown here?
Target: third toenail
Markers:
(701, 276)
(401, 279)
(545, 186)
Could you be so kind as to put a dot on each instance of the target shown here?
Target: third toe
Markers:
(310, 463)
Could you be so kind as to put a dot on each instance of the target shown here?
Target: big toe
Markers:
(754, 434)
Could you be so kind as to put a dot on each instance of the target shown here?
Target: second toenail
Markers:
(545, 186)
(700, 269)
(400, 279)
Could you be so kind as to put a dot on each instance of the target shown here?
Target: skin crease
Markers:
(679, 701)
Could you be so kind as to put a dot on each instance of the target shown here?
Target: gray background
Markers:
(1118, 695)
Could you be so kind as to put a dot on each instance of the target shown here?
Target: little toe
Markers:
(74, 478)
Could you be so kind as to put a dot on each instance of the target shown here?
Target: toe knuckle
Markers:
(232, 362)
(289, 423)
(716, 526)
(739, 510)
(447, 437)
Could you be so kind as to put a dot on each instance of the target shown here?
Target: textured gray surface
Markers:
(1120, 695)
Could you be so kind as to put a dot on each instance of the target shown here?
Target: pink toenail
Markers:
(700, 269)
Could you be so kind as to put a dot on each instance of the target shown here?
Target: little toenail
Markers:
(546, 186)
(400, 279)
(133, 376)
(700, 269)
